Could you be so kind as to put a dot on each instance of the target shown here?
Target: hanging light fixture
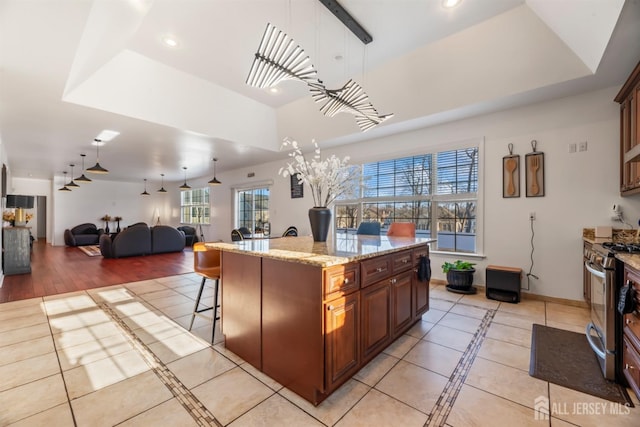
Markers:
(145, 193)
(97, 168)
(71, 183)
(214, 181)
(83, 178)
(185, 186)
(64, 187)
(162, 190)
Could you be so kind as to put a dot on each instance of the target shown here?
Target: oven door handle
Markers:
(592, 343)
(597, 273)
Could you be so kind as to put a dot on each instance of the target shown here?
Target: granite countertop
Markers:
(338, 249)
(632, 260)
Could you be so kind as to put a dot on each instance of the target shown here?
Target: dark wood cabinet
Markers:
(342, 343)
(401, 313)
(629, 100)
(631, 335)
(311, 328)
(586, 276)
(420, 289)
(376, 309)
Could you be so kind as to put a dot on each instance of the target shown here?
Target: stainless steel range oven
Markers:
(604, 330)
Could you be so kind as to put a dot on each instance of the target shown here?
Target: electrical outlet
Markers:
(532, 216)
(572, 147)
(582, 146)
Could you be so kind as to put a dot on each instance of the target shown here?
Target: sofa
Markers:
(83, 235)
(140, 239)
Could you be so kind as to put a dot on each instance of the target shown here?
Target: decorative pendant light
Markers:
(214, 181)
(83, 178)
(162, 190)
(64, 187)
(97, 168)
(185, 186)
(145, 193)
(71, 183)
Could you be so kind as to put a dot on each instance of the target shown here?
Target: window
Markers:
(436, 191)
(252, 208)
(194, 206)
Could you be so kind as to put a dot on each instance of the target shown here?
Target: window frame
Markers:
(433, 198)
(206, 217)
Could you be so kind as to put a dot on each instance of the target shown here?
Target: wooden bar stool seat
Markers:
(206, 263)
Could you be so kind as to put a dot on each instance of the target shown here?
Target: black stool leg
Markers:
(215, 309)
(195, 309)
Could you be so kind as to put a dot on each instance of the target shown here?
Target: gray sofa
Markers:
(140, 239)
(82, 235)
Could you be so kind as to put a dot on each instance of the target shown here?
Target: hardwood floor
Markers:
(60, 269)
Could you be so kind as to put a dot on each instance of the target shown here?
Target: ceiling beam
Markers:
(348, 20)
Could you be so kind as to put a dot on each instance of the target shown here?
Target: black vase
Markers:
(106, 228)
(118, 227)
(320, 220)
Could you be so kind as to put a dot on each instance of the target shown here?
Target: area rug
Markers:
(566, 359)
(91, 250)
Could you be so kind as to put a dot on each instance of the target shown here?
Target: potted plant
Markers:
(459, 276)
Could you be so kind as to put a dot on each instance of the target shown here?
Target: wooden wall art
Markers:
(511, 174)
(534, 165)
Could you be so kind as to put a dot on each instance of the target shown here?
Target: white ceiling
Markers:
(71, 68)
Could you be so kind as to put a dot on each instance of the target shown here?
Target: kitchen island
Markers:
(310, 314)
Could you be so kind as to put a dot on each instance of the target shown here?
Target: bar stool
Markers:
(206, 263)
(402, 229)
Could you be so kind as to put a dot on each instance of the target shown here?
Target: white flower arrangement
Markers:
(328, 178)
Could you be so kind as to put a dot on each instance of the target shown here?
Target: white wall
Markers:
(580, 188)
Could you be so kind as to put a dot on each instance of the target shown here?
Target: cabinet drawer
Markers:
(631, 366)
(341, 280)
(418, 252)
(632, 326)
(401, 261)
(373, 270)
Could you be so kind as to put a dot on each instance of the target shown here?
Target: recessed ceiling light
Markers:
(107, 135)
(450, 3)
(274, 90)
(170, 41)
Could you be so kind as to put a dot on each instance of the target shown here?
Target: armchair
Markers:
(190, 234)
(82, 235)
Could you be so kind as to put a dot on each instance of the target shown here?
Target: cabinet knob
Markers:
(404, 261)
(329, 307)
(379, 269)
(629, 321)
(393, 281)
(629, 367)
(346, 281)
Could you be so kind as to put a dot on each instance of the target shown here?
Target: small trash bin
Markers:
(503, 283)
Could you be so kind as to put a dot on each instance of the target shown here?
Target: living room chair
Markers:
(190, 234)
(206, 263)
(236, 235)
(290, 232)
(402, 229)
(371, 228)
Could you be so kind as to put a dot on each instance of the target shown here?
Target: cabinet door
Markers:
(342, 333)
(401, 302)
(420, 296)
(375, 326)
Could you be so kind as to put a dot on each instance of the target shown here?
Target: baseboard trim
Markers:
(528, 295)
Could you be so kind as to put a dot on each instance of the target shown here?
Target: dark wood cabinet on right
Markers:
(631, 335)
(629, 100)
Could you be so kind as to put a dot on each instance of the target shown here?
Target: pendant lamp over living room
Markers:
(83, 178)
(162, 190)
(214, 181)
(185, 186)
(71, 183)
(97, 168)
(64, 187)
(145, 193)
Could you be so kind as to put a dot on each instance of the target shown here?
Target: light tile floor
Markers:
(104, 357)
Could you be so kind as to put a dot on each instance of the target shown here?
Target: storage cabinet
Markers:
(342, 343)
(586, 276)
(631, 336)
(420, 289)
(376, 309)
(16, 250)
(629, 100)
